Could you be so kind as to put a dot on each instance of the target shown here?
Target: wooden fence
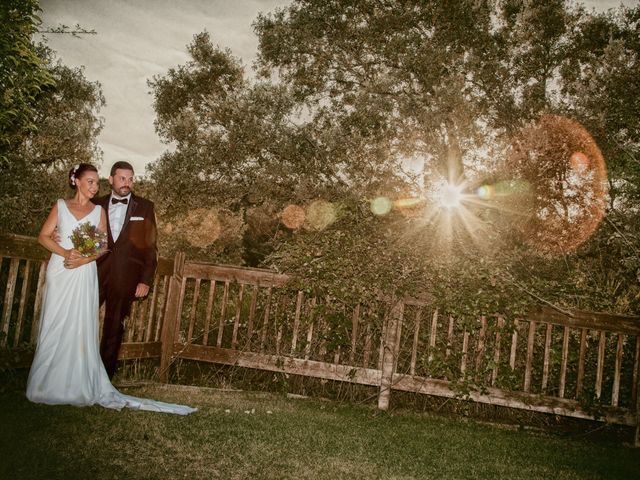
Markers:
(581, 364)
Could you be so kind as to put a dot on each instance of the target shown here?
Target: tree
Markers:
(391, 70)
(604, 91)
(24, 77)
(237, 148)
(48, 120)
(364, 108)
(64, 127)
(456, 84)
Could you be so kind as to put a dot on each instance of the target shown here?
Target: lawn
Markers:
(239, 435)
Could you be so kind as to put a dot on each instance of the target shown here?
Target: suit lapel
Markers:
(130, 208)
(104, 203)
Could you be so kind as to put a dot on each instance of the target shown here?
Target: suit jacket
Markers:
(133, 258)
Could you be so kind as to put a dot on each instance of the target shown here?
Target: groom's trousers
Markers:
(116, 311)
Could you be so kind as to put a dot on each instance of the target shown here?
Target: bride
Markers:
(67, 368)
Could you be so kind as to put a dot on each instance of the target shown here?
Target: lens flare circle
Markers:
(321, 214)
(202, 227)
(486, 192)
(293, 216)
(381, 206)
(579, 162)
(565, 177)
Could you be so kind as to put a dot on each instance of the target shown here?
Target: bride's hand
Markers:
(73, 259)
(75, 254)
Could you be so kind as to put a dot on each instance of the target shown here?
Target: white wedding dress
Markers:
(67, 368)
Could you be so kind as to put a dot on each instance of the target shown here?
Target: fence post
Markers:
(171, 324)
(390, 353)
(636, 442)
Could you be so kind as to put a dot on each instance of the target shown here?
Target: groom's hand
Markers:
(142, 290)
(55, 236)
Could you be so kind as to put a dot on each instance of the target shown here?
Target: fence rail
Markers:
(22, 276)
(577, 364)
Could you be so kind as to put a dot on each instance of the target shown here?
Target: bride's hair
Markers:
(78, 171)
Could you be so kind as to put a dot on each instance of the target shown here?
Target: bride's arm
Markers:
(102, 227)
(103, 221)
(44, 238)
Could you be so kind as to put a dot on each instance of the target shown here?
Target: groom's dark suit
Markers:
(131, 260)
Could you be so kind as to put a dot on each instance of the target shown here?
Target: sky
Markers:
(138, 39)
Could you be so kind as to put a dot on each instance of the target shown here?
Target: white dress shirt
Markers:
(117, 213)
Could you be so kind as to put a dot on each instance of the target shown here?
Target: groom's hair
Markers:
(122, 165)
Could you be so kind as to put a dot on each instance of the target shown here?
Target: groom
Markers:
(126, 272)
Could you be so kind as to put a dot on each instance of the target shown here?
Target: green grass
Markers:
(283, 438)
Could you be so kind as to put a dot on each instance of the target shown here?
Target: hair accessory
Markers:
(72, 178)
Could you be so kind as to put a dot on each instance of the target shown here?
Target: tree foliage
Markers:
(49, 121)
(24, 77)
(368, 101)
(466, 78)
(238, 147)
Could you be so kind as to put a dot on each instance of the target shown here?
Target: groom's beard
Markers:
(123, 191)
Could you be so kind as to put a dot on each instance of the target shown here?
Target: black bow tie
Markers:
(119, 200)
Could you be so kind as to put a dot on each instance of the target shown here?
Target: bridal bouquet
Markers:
(88, 240)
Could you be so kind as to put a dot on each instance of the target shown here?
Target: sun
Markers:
(449, 196)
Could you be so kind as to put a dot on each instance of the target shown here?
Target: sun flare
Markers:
(449, 196)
